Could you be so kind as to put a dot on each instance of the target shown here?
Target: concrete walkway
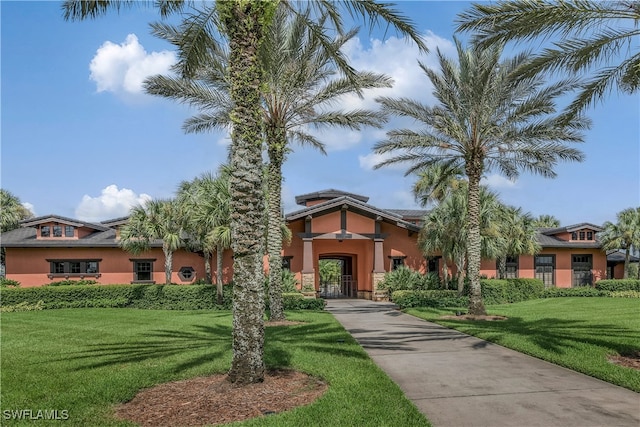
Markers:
(457, 380)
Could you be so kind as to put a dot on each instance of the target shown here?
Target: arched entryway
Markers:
(337, 277)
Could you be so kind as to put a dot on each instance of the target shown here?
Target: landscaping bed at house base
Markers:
(87, 362)
(583, 334)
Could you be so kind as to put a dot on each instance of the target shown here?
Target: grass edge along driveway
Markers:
(577, 333)
(87, 360)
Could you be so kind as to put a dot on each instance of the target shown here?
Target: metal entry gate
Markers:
(343, 287)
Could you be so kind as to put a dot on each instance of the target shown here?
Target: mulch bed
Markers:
(631, 360)
(214, 400)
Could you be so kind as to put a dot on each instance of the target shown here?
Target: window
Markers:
(57, 231)
(589, 235)
(76, 267)
(397, 262)
(186, 274)
(582, 234)
(286, 262)
(574, 236)
(581, 270)
(511, 270)
(45, 231)
(545, 266)
(142, 270)
(69, 230)
(432, 264)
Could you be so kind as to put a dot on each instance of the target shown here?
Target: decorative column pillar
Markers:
(378, 271)
(308, 273)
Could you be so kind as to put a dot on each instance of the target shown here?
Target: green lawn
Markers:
(86, 360)
(577, 333)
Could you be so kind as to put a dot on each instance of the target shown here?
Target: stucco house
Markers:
(366, 240)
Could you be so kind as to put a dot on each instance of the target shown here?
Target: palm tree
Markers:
(206, 199)
(518, 232)
(156, 220)
(11, 211)
(244, 23)
(300, 89)
(596, 36)
(436, 182)
(546, 221)
(486, 119)
(624, 234)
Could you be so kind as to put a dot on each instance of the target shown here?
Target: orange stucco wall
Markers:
(563, 271)
(31, 268)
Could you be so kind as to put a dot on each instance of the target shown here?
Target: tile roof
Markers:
(330, 193)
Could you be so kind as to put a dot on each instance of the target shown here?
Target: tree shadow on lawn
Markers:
(553, 335)
(205, 343)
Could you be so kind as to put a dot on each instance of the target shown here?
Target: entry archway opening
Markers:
(336, 276)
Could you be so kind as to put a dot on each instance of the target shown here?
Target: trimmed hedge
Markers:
(617, 285)
(503, 291)
(434, 298)
(155, 297)
(583, 291)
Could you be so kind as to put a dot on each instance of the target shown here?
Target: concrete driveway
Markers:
(458, 380)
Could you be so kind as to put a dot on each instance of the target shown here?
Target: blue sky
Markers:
(81, 139)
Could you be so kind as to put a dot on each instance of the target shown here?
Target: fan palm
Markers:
(300, 88)
(485, 119)
(547, 221)
(11, 211)
(156, 220)
(623, 234)
(206, 200)
(518, 232)
(244, 23)
(596, 36)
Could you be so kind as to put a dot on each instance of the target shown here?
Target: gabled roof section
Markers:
(25, 237)
(410, 213)
(353, 205)
(570, 228)
(32, 222)
(550, 241)
(328, 194)
(115, 222)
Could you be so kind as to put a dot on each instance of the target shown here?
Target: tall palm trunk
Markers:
(627, 252)
(276, 139)
(460, 266)
(502, 267)
(219, 263)
(474, 172)
(445, 273)
(207, 266)
(243, 21)
(168, 264)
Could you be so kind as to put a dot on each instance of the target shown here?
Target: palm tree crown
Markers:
(485, 119)
(596, 36)
(623, 234)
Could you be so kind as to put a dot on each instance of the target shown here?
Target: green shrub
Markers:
(403, 278)
(625, 294)
(8, 283)
(69, 282)
(156, 297)
(23, 306)
(503, 291)
(430, 298)
(573, 292)
(614, 285)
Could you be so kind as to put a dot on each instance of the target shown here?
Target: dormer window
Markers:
(57, 231)
(69, 231)
(45, 231)
(582, 235)
(589, 235)
(574, 236)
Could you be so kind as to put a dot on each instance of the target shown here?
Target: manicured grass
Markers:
(87, 360)
(578, 333)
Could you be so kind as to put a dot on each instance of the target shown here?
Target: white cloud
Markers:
(30, 207)
(121, 68)
(497, 181)
(112, 203)
(368, 161)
